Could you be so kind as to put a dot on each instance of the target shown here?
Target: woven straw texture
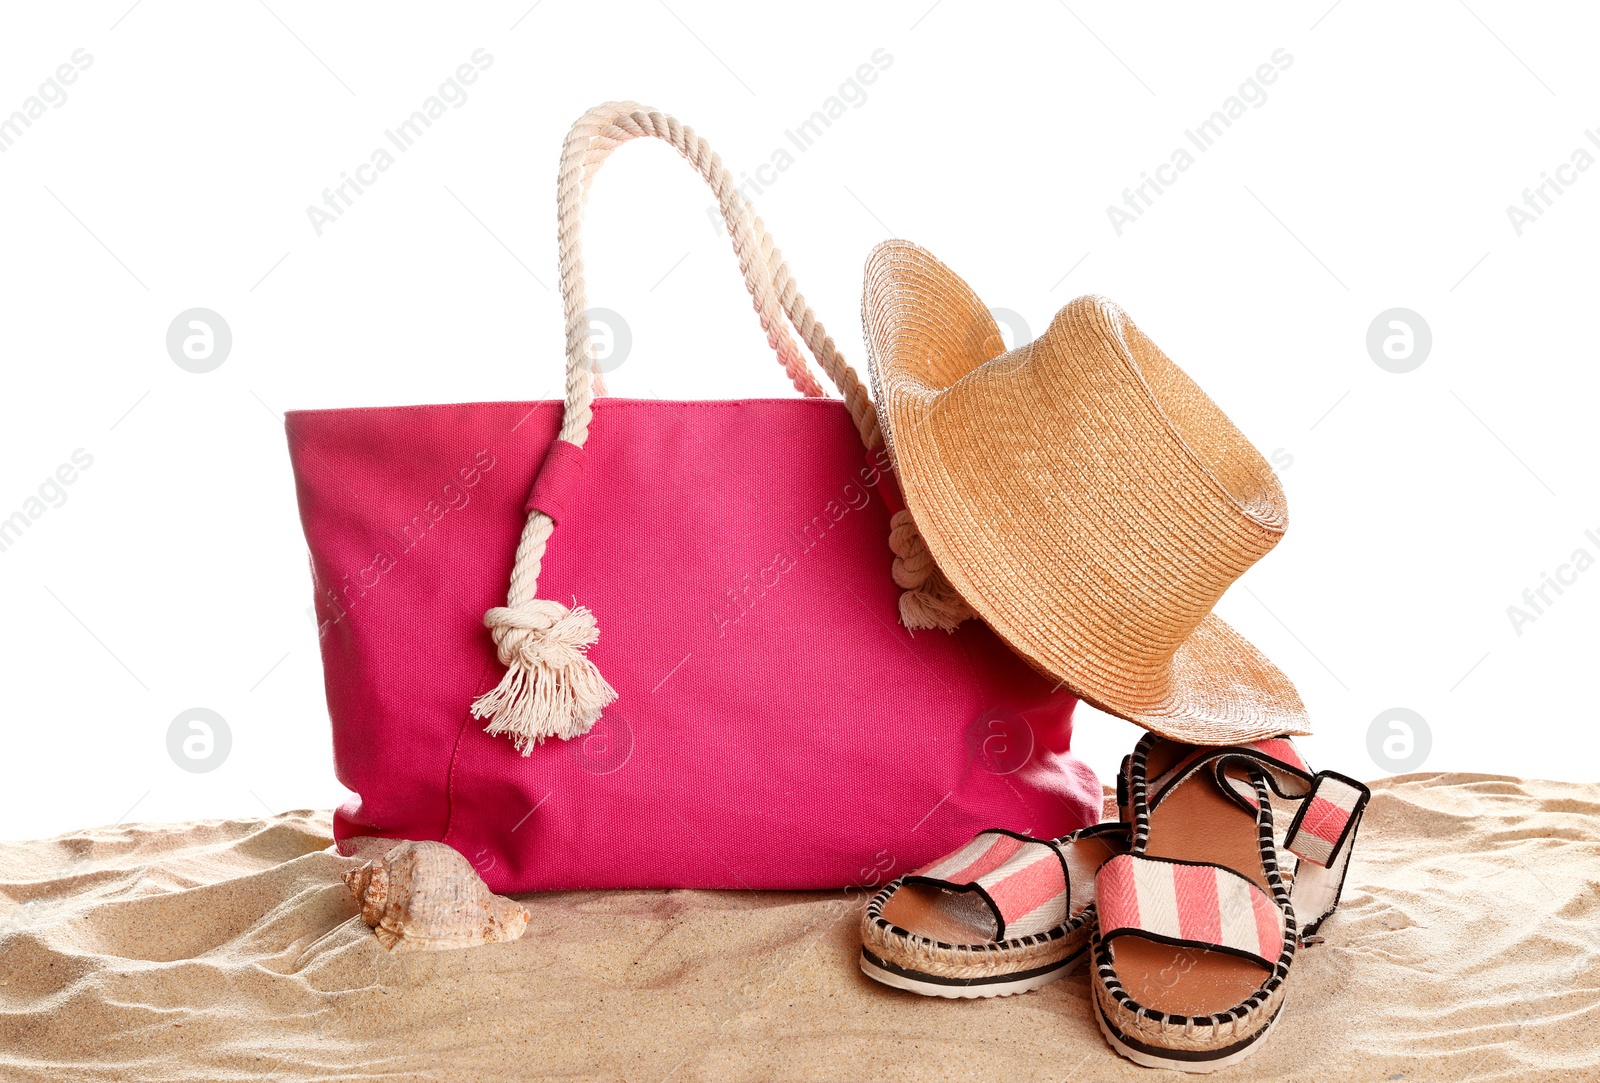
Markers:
(1191, 1036)
(1084, 496)
(983, 958)
(966, 961)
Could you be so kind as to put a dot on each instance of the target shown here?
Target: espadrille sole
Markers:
(1184, 1060)
(935, 985)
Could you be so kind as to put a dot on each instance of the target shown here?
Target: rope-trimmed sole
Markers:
(935, 985)
(1181, 1060)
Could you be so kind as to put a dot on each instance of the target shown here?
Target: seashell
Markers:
(424, 896)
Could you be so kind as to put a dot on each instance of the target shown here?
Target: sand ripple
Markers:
(1468, 947)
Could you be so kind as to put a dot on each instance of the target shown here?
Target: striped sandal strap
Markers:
(1023, 880)
(1189, 904)
(1327, 818)
(1323, 835)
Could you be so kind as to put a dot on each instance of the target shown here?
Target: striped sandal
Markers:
(1198, 924)
(1004, 914)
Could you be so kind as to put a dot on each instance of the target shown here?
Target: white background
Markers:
(1375, 175)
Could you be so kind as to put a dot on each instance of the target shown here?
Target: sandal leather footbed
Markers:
(962, 917)
(950, 917)
(1197, 822)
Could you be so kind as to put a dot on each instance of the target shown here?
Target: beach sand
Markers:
(1467, 947)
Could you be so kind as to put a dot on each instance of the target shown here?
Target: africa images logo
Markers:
(1252, 94)
(1539, 198)
(1537, 600)
(451, 94)
(52, 93)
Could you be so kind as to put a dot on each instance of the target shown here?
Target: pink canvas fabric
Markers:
(775, 727)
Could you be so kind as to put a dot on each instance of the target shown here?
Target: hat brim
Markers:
(1218, 688)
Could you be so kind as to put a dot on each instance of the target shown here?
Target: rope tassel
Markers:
(550, 688)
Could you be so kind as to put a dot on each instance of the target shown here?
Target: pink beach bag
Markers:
(698, 677)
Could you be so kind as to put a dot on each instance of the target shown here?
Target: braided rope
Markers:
(857, 398)
(614, 127)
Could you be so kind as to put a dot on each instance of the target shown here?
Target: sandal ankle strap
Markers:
(1328, 810)
(1327, 818)
(1323, 835)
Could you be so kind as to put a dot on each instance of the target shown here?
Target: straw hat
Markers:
(1083, 496)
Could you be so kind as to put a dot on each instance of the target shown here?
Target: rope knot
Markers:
(927, 600)
(550, 688)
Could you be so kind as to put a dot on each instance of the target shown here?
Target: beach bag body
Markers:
(699, 677)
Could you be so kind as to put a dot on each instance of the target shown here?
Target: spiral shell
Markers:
(424, 896)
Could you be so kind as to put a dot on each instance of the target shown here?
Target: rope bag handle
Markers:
(591, 141)
(550, 687)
